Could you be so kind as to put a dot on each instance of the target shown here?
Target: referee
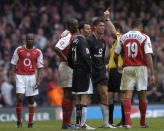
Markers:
(114, 74)
(115, 80)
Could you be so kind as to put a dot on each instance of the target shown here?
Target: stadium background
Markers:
(46, 19)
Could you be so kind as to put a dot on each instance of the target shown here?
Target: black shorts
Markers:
(80, 80)
(114, 80)
(99, 79)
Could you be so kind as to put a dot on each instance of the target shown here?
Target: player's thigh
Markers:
(128, 80)
(142, 78)
(65, 73)
(30, 84)
(20, 84)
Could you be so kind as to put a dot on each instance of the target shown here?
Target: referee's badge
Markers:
(87, 50)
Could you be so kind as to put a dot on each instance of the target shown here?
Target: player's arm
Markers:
(14, 62)
(150, 65)
(149, 61)
(40, 74)
(110, 25)
(84, 49)
(60, 54)
(117, 51)
(61, 45)
(40, 66)
(104, 53)
(13, 70)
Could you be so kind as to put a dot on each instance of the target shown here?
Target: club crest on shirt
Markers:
(87, 50)
(28, 54)
(34, 52)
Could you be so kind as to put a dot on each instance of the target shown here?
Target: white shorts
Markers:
(65, 75)
(134, 76)
(89, 91)
(25, 84)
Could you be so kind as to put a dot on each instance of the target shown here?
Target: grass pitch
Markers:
(155, 124)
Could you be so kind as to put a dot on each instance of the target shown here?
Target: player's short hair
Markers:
(117, 26)
(97, 21)
(136, 23)
(82, 24)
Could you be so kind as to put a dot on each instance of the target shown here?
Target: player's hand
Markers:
(36, 86)
(107, 67)
(107, 13)
(120, 69)
(152, 80)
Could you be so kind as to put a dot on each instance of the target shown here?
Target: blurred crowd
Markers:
(46, 19)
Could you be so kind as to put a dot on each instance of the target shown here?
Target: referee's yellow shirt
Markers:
(111, 59)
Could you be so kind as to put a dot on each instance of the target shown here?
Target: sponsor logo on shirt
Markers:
(99, 53)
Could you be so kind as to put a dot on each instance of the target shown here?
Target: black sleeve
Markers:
(90, 45)
(104, 49)
(85, 52)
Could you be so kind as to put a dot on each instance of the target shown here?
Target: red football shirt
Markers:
(135, 45)
(27, 60)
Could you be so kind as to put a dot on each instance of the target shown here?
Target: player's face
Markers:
(100, 28)
(87, 30)
(30, 40)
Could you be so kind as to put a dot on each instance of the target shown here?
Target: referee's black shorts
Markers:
(114, 80)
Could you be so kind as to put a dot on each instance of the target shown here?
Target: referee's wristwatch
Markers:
(108, 19)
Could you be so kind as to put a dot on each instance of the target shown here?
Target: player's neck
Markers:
(136, 29)
(82, 35)
(28, 47)
(98, 36)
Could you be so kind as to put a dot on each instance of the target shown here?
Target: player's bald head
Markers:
(72, 25)
(30, 36)
(71, 21)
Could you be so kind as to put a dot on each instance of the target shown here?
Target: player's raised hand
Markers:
(107, 13)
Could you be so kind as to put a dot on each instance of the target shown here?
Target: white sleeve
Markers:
(117, 49)
(40, 62)
(148, 46)
(63, 42)
(15, 57)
